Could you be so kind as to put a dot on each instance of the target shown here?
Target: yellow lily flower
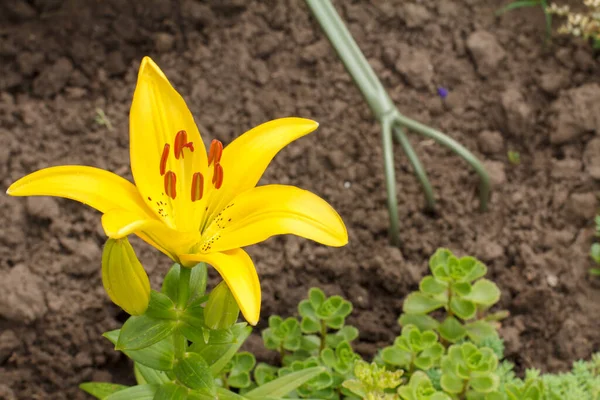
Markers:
(193, 206)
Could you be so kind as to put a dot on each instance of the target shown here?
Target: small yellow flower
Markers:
(193, 206)
(124, 278)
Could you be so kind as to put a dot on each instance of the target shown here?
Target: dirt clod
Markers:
(491, 142)
(22, 296)
(486, 52)
(576, 112)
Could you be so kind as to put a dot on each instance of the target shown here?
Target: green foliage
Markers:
(467, 368)
(514, 157)
(373, 381)
(414, 349)
(456, 285)
(454, 356)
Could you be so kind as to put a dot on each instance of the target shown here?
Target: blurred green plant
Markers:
(514, 157)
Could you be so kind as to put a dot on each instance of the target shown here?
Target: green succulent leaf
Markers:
(264, 373)
(463, 309)
(471, 268)
(452, 330)
(194, 372)
(432, 286)
(316, 297)
(142, 331)
(461, 288)
(306, 310)
(101, 390)
(395, 356)
(422, 321)
(452, 384)
(170, 391)
(485, 383)
(439, 261)
(158, 356)
(418, 303)
(310, 325)
(479, 331)
(484, 292)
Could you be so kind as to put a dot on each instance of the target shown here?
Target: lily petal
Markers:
(163, 159)
(246, 158)
(95, 187)
(264, 211)
(119, 223)
(238, 271)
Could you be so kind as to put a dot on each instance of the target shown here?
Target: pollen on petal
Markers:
(163, 159)
(215, 151)
(197, 186)
(218, 176)
(170, 184)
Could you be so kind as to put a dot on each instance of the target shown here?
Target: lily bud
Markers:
(124, 277)
(221, 309)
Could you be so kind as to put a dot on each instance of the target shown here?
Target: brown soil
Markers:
(241, 63)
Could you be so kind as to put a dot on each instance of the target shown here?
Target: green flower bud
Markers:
(124, 277)
(221, 309)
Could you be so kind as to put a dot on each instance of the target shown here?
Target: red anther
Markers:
(218, 176)
(197, 186)
(163, 159)
(170, 184)
(215, 151)
(181, 143)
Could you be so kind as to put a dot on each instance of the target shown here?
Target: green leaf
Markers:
(316, 297)
(198, 280)
(484, 292)
(306, 310)
(518, 4)
(595, 252)
(452, 330)
(222, 394)
(170, 285)
(264, 373)
(478, 331)
(418, 303)
(310, 325)
(191, 322)
(473, 268)
(461, 288)
(439, 258)
(217, 355)
(161, 306)
(432, 286)
(464, 309)
(394, 356)
(170, 391)
(149, 375)
(451, 384)
(140, 392)
(284, 385)
(485, 384)
(101, 390)
(335, 322)
(142, 331)
(194, 372)
(158, 356)
(421, 321)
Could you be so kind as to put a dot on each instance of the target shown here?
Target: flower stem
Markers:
(323, 336)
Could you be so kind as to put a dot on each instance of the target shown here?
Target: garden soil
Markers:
(67, 74)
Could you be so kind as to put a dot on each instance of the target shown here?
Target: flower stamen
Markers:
(170, 184)
(197, 186)
(163, 159)
(215, 151)
(218, 176)
(181, 143)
